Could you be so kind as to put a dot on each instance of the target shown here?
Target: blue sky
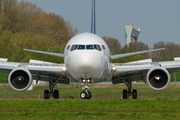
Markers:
(159, 19)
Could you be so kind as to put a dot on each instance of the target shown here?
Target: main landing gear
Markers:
(86, 94)
(51, 93)
(128, 93)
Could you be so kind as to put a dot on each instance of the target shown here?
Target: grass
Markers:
(90, 109)
(106, 103)
(4, 78)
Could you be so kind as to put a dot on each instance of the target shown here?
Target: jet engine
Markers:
(158, 78)
(20, 79)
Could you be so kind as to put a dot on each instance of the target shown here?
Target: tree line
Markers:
(24, 25)
(171, 50)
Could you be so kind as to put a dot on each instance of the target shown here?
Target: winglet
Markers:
(47, 53)
(133, 53)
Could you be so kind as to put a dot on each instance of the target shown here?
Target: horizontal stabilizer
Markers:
(142, 61)
(38, 61)
(133, 53)
(47, 53)
(177, 58)
(3, 59)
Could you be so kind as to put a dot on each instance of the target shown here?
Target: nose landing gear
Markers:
(85, 94)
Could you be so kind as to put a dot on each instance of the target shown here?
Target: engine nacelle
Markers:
(20, 79)
(158, 78)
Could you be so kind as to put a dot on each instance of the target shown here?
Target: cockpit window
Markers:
(74, 47)
(89, 47)
(81, 47)
(97, 47)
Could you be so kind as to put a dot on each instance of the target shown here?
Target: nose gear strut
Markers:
(85, 94)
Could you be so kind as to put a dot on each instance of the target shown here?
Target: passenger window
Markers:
(74, 47)
(89, 47)
(81, 47)
(97, 47)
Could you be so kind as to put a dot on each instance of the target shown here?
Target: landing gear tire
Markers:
(134, 94)
(46, 94)
(56, 94)
(50, 93)
(83, 95)
(125, 94)
(89, 95)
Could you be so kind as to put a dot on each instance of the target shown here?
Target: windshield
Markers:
(89, 47)
(81, 47)
(97, 47)
(74, 47)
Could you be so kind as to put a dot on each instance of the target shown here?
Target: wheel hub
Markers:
(83, 95)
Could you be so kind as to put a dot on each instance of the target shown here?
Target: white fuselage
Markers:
(87, 57)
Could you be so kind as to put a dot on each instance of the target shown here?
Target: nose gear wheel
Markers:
(85, 94)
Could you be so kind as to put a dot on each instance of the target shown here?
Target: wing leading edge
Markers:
(133, 53)
(47, 53)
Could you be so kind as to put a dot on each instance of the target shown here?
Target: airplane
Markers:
(87, 59)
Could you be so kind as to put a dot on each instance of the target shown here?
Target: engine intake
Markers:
(158, 78)
(20, 79)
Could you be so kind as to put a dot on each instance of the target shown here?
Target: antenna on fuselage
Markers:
(93, 18)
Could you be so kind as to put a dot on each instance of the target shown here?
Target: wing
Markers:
(22, 74)
(38, 70)
(133, 53)
(149, 72)
(47, 53)
(131, 68)
(137, 71)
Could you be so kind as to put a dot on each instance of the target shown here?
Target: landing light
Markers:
(88, 81)
(64, 69)
(114, 69)
(84, 80)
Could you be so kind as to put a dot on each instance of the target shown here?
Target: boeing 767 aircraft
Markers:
(87, 59)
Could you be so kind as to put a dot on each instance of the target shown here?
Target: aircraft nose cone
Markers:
(85, 61)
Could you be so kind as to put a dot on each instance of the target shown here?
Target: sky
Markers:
(159, 20)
